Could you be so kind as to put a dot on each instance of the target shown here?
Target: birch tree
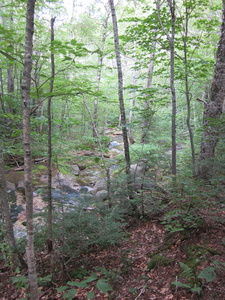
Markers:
(120, 87)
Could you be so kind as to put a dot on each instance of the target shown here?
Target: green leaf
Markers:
(91, 295)
(70, 294)
(196, 289)
(208, 274)
(180, 284)
(103, 286)
(91, 278)
(81, 284)
(96, 159)
(73, 42)
(62, 288)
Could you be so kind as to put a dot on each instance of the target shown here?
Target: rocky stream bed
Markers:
(83, 182)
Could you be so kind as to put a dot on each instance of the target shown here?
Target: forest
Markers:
(112, 165)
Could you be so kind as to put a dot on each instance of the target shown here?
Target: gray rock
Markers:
(10, 186)
(20, 187)
(100, 185)
(75, 170)
(137, 169)
(101, 195)
(64, 180)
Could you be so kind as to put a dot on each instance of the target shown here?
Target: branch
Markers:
(203, 101)
(160, 21)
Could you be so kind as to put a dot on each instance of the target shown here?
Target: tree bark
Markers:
(26, 84)
(187, 92)
(99, 73)
(120, 88)
(49, 162)
(172, 87)
(147, 113)
(214, 109)
(171, 39)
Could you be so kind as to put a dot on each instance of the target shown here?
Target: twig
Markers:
(141, 293)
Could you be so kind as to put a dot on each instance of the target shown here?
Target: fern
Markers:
(187, 271)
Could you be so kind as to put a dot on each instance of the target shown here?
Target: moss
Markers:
(158, 260)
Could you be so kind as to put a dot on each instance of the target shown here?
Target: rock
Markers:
(137, 169)
(20, 187)
(64, 180)
(85, 189)
(10, 186)
(75, 170)
(82, 167)
(87, 197)
(101, 195)
(100, 185)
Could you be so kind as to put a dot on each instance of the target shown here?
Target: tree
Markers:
(188, 10)
(26, 85)
(120, 88)
(99, 71)
(49, 162)
(171, 40)
(214, 109)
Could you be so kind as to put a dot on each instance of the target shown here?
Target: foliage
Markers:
(195, 280)
(180, 220)
(101, 284)
(5, 250)
(20, 280)
(157, 261)
(83, 229)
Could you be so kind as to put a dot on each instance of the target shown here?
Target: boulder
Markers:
(20, 187)
(100, 185)
(101, 195)
(64, 180)
(137, 169)
(10, 186)
(75, 170)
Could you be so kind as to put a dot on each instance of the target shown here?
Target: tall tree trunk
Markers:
(26, 83)
(2, 92)
(187, 92)
(172, 87)
(132, 104)
(171, 39)
(49, 162)
(99, 74)
(213, 110)
(120, 88)
(147, 114)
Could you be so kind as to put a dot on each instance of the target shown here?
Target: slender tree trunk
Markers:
(188, 97)
(147, 114)
(172, 87)
(2, 91)
(99, 74)
(213, 110)
(171, 39)
(120, 88)
(26, 83)
(49, 162)
(132, 104)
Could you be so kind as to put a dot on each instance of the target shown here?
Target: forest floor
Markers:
(124, 272)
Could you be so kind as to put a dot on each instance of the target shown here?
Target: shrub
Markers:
(84, 229)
